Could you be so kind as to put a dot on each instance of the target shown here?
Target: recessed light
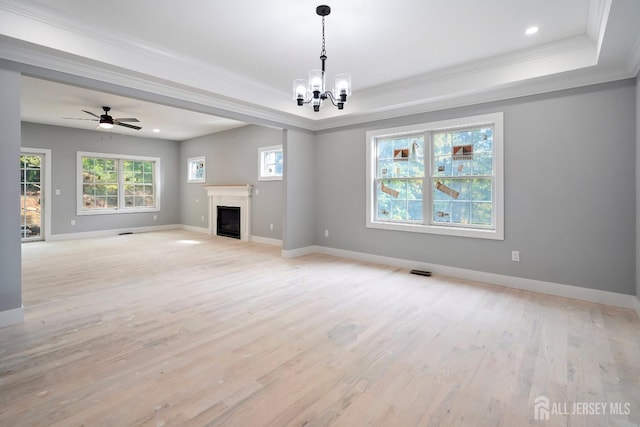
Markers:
(156, 130)
(531, 31)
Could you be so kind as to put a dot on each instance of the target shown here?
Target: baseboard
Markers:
(11, 317)
(196, 229)
(638, 305)
(266, 240)
(112, 232)
(549, 288)
(294, 253)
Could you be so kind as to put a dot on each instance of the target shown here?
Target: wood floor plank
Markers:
(177, 328)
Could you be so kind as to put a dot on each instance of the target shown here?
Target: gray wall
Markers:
(10, 259)
(569, 192)
(232, 158)
(638, 186)
(64, 143)
(300, 206)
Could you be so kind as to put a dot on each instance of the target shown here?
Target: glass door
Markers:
(31, 196)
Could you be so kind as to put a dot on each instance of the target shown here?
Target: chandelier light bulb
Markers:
(343, 85)
(316, 84)
(300, 90)
(316, 81)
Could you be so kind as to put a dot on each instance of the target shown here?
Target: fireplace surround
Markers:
(230, 196)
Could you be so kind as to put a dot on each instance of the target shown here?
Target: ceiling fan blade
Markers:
(115, 122)
(78, 118)
(91, 114)
(129, 119)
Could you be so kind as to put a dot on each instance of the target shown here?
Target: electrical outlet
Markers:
(155, 217)
(515, 256)
(271, 227)
(202, 218)
(57, 191)
(73, 222)
(257, 191)
(326, 233)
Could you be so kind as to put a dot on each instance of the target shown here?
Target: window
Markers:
(117, 184)
(196, 168)
(442, 178)
(270, 163)
(31, 192)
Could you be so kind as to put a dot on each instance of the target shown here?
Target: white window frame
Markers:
(496, 232)
(81, 210)
(261, 156)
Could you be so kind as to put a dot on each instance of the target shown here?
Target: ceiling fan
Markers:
(107, 122)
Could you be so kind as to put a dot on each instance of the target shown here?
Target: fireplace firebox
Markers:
(229, 221)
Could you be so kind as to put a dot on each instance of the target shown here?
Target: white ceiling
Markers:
(58, 104)
(238, 59)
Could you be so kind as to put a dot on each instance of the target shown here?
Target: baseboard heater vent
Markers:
(421, 272)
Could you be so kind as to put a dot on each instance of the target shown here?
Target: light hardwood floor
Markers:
(179, 328)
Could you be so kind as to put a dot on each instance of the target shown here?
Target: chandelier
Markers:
(313, 91)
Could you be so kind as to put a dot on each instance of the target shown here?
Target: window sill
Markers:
(441, 230)
(270, 178)
(116, 211)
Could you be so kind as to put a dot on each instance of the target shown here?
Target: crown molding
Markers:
(537, 86)
(634, 59)
(597, 20)
(550, 52)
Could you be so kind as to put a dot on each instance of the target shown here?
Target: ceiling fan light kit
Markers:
(105, 121)
(313, 91)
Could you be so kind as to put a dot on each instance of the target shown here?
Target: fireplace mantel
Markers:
(230, 195)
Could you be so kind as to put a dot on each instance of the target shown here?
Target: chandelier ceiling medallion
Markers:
(313, 91)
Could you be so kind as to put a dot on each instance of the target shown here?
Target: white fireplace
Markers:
(233, 196)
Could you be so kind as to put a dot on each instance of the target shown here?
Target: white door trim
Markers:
(46, 153)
